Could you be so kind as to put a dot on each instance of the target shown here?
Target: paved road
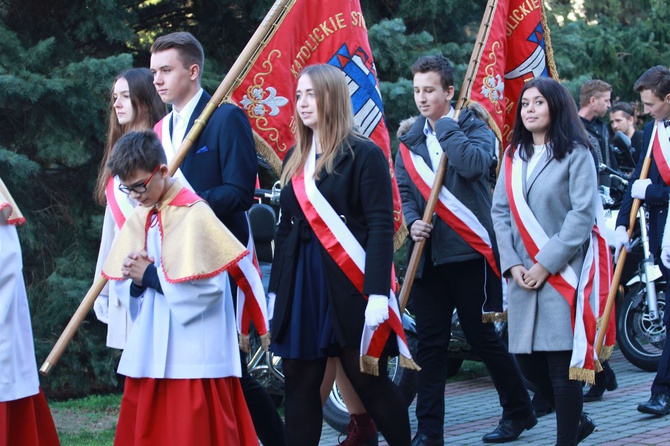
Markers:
(472, 410)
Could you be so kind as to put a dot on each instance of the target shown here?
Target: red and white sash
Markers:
(661, 152)
(251, 301)
(576, 289)
(454, 213)
(119, 203)
(349, 255)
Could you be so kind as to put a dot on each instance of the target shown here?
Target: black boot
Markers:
(605, 380)
(612, 384)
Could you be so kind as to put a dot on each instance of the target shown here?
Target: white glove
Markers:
(639, 188)
(665, 256)
(620, 240)
(377, 310)
(101, 308)
(271, 305)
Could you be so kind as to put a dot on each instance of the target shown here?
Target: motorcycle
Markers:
(641, 296)
(267, 367)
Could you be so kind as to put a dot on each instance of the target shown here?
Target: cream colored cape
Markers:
(194, 243)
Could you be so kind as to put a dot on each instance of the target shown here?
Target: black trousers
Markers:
(661, 382)
(441, 289)
(548, 372)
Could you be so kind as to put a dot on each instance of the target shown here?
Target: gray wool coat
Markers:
(562, 196)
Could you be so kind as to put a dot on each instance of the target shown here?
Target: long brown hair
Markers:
(148, 109)
(335, 121)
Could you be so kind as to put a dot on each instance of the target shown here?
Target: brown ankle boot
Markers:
(361, 431)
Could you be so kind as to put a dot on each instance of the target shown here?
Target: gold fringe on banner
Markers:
(551, 63)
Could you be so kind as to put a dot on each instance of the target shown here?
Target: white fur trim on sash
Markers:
(349, 255)
(661, 151)
(251, 302)
(575, 289)
(449, 208)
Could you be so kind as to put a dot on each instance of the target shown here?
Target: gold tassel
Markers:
(579, 374)
(493, 316)
(598, 366)
(245, 345)
(408, 363)
(606, 352)
(265, 341)
(370, 365)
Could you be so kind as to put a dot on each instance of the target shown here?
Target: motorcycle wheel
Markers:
(640, 339)
(335, 411)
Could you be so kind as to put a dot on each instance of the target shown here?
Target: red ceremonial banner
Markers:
(516, 49)
(313, 32)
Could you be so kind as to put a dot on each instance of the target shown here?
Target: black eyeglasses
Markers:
(139, 188)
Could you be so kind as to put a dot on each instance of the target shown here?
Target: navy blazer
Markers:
(222, 167)
(656, 197)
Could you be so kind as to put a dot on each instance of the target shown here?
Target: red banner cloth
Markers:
(516, 49)
(313, 32)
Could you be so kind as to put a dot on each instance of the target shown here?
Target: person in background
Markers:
(134, 105)
(220, 167)
(622, 119)
(594, 101)
(654, 89)
(544, 210)
(25, 418)
(458, 268)
(332, 271)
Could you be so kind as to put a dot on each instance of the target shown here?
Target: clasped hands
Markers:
(135, 264)
(530, 279)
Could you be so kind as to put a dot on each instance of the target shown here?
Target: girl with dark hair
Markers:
(134, 106)
(333, 264)
(544, 210)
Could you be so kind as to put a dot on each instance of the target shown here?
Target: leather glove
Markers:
(271, 305)
(620, 240)
(639, 188)
(377, 310)
(665, 256)
(101, 308)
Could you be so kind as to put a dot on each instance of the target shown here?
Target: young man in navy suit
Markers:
(220, 167)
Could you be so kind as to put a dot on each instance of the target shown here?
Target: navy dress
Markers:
(310, 334)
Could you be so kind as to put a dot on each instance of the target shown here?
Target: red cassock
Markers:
(27, 422)
(209, 411)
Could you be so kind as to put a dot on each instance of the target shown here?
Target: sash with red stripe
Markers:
(251, 302)
(347, 252)
(450, 210)
(119, 203)
(603, 282)
(661, 152)
(575, 289)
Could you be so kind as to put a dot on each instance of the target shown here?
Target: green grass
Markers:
(88, 421)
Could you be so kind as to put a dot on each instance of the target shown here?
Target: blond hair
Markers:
(335, 121)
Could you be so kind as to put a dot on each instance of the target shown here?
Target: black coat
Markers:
(359, 190)
(656, 197)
